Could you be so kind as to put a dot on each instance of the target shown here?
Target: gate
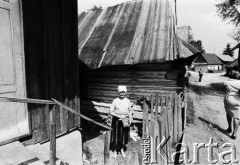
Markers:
(163, 123)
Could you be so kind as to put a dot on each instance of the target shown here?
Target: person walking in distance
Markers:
(232, 105)
(200, 72)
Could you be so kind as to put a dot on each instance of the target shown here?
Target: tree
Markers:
(196, 43)
(229, 10)
(227, 50)
(236, 34)
(94, 8)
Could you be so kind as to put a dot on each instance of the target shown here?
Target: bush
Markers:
(87, 152)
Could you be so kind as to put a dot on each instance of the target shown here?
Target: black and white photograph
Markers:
(119, 82)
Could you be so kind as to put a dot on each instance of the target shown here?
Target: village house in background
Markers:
(225, 59)
(234, 64)
(208, 63)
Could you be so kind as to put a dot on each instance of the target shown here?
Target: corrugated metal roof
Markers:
(233, 64)
(211, 59)
(133, 32)
(225, 58)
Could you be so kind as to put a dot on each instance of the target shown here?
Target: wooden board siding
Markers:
(50, 35)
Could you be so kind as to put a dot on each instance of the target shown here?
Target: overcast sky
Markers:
(199, 14)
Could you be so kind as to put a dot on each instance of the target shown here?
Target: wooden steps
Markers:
(69, 151)
(15, 153)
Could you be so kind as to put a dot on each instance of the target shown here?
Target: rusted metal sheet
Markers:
(93, 49)
(86, 23)
(117, 50)
(130, 33)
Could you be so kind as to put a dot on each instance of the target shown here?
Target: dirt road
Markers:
(209, 118)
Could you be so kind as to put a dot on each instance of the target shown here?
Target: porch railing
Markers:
(52, 110)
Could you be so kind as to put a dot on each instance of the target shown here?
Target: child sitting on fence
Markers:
(120, 110)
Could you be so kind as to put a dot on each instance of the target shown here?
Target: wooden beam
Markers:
(80, 115)
(25, 100)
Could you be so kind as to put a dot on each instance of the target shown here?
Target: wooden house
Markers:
(225, 59)
(133, 44)
(208, 63)
(235, 48)
(232, 66)
(38, 60)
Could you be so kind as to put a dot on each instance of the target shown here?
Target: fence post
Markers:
(106, 147)
(53, 135)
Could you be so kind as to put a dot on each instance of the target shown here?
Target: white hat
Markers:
(122, 88)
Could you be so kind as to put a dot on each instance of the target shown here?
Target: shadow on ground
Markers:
(214, 126)
(212, 89)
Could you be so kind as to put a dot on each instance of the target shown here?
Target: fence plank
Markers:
(175, 119)
(167, 130)
(144, 118)
(164, 151)
(152, 133)
(164, 125)
(156, 130)
(185, 109)
(168, 109)
(159, 158)
(179, 117)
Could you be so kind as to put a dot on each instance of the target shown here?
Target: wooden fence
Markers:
(163, 121)
(163, 117)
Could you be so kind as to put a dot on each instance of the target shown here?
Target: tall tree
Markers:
(196, 43)
(229, 10)
(227, 50)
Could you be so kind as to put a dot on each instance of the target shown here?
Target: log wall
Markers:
(101, 85)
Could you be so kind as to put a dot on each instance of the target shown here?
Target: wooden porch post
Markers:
(106, 147)
(53, 135)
